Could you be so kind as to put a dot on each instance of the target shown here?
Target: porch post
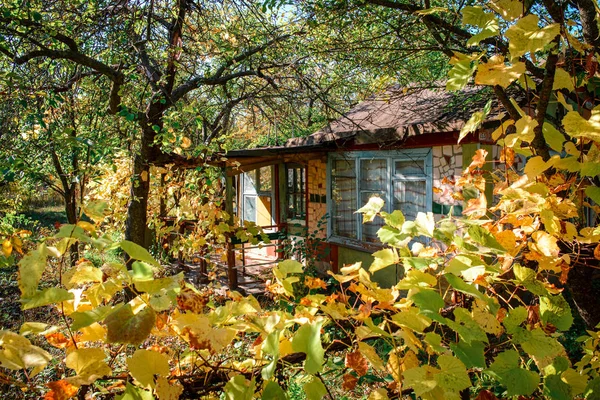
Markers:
(231, 270)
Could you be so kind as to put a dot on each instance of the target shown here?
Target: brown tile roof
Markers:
(399, 113)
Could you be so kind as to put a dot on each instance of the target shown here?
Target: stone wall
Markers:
(447, 168)
(317, 197)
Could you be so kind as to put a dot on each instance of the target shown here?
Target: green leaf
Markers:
(395, 219)
(308, 340)
(517, 380)
(514, 319)
(74, 232)
(541, 347)
(123, 326)
(273, 392)
(453, 376)
(137, 252)
(553, 137)
(290, 267)
(45, 297)
(239, 388)
(464, 287)
(31, 268)
(593, 192)
(271, 347)
(135, 393)
(484, 238)
(556, 310)
(315, 390)
(142, 271)
(471, 354)
(82, 319)
(429, 302)
(466, 327)
(556, 389)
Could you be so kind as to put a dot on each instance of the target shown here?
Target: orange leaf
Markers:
(315, 283)
(357, 362)
(190, 300)
(597, 252)
(59, 340)
(350, 382)
(60, 390)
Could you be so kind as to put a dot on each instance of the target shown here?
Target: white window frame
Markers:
(419, 154)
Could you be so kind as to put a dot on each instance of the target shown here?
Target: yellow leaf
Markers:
(535, 166)
(378, 394)
(397, 365)
(185, 142)
(576, 126)
(496, 72)
(7, 248)
(508, 9)
(371, 209)
(31, 268)
(461, 71)
(553, 137)
(562, 80)
(145, 364)
(89, 365)
(484, 20)
(93, 333)
(85, 273)
(526, 36)
(475, 121)
(383, 258)
(17, 352)
(87, 226)
(371, 354)
(501, 130)
(165, 391)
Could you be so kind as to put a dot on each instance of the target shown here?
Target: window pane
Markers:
(249, 180)
(343, 196)
(250, 208)
(265, 179)
(296, 193)
(410, 198)
(373, 174)
(343, 168)
(409, 167)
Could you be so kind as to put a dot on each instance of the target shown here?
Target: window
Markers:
(296, 190)
(401, 178)
(256, 196)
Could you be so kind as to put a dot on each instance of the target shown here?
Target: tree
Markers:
(159, 63)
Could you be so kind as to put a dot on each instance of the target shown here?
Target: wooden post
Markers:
(231, 269)
(282, 202)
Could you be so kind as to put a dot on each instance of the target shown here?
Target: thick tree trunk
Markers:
(135, 229)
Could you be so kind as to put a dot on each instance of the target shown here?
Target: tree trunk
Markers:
(71, 212)
(135, 228)
(584, 286)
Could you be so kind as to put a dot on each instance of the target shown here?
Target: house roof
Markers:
(399, 113)
(392, 118)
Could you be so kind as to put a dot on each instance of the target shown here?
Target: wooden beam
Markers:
(231, 270)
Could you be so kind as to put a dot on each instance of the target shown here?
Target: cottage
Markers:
(400, 145)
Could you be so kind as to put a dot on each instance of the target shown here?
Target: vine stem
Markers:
(326, 387)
